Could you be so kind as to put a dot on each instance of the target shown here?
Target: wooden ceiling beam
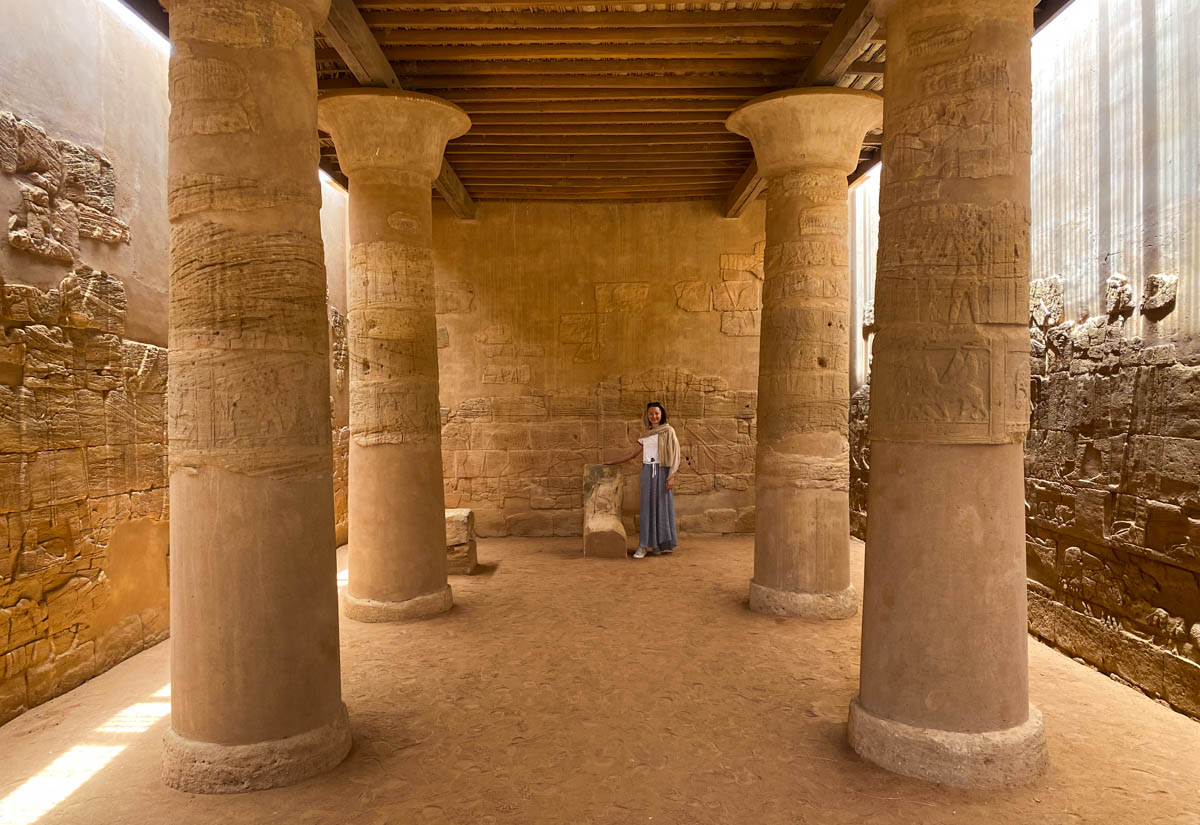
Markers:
(354, 42)
(851, 34)
(731, 18)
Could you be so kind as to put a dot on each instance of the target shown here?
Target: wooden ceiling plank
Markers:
(495, 120)
(346, 30)
(599, 51)
(556, 6)
(730, 18)
(688, 67)
(749, 76)
(586, 105)
(710, 139)
(758, 35)
(851, 34)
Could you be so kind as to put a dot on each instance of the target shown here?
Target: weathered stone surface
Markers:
(1046, 301)
(74, 446)
(461, 559)
(693, 296)
(603, 532)
(1158, 292)
(624, 297)
(460, 526)
(67, 191)
(1118, 295)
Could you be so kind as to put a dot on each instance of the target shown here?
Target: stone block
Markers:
(1046, 301)
(603, 533)
(57, 476)
(693, 296)
(740, 323)
(1181, 684)
(461, 559)
(621, 297)
(460, 526)
(13, 698)
(42, 227)
(501, 436)
(536, 523)
(144, 367)
(1158, 292)
(88, 177)
(93, 299)
(107, 228)
(64, 672)
(1118, 295)
(49, 357)
(737, 295)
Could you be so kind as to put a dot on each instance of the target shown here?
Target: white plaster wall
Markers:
(1116, 155)
(87, 72)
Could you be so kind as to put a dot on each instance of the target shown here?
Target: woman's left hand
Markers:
(671, 483)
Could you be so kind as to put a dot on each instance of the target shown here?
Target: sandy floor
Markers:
(565, 690)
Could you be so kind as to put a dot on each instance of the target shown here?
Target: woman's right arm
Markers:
(631, 456)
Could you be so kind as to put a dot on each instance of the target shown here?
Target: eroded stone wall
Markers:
(83, 488)
(558, 323)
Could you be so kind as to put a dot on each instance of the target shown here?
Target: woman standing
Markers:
(659, 449)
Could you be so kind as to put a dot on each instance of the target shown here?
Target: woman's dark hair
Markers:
(661, 409)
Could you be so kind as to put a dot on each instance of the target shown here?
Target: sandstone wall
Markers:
(83, 497)
(559, 322)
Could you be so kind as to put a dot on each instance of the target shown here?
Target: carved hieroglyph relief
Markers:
(67, 191)
(393, 344)
(952, 300)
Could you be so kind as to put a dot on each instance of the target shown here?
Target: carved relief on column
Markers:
(944, 675)
(952, 292)
(390, 145)
(806, 142)
(256, 694)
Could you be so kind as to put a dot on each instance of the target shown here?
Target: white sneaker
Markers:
(640, 554)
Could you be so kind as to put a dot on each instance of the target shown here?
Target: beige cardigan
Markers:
(668, 446)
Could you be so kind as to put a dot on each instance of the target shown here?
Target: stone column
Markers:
(944, 692)
(255, 675)
(390, 145)
(806, 142)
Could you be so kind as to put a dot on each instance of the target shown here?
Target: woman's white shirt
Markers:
(649, 449)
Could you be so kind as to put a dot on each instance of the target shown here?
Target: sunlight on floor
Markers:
(40, 794)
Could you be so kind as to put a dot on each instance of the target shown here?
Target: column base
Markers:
(207, 767)
(993, 759)
(840, 605)
(418, 607)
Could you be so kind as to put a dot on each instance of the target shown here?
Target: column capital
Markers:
(390, 129)
(818, 127)
(881, 9)
(317, 10)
